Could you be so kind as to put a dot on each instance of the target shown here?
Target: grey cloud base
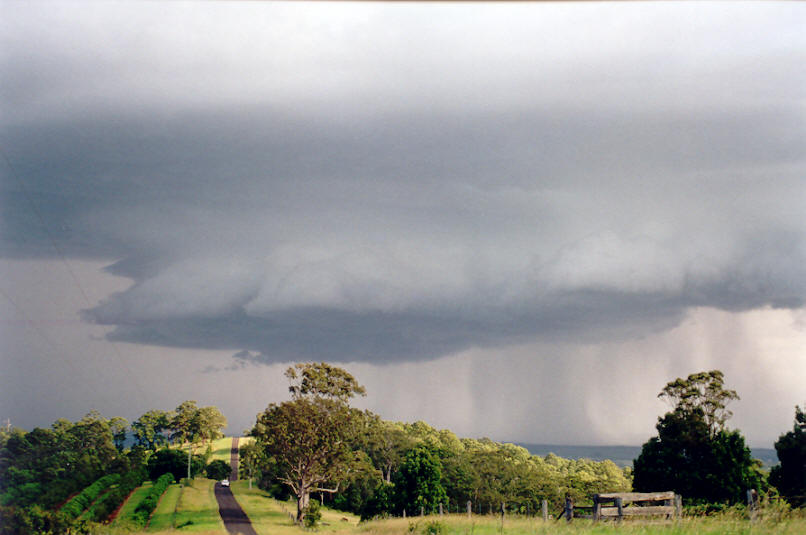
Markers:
(318, 198)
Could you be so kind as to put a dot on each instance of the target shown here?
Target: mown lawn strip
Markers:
(197, 508)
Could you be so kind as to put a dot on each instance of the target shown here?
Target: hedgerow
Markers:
(82, 500)
(147, 505)
(110, 501)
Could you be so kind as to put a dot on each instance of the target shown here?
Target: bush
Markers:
(34, 521)
(219, 469)
(434, 527)
(147, 505)
(168, 461)
(82, 500)
(312, 514)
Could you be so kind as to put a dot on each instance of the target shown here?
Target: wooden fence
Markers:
(618, 505)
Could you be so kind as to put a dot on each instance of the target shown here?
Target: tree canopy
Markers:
(789, 477)
(312, 379)
(310, 437)
(694, 454)
(703, 391)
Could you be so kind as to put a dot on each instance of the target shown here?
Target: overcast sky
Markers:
(515, 220)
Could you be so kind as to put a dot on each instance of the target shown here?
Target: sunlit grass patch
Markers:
(270, 517)
(221, 449)
(197, 508)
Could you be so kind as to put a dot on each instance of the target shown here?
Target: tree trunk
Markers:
(302, 504)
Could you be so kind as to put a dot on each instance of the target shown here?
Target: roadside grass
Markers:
(270, 516)
(196, 508)
(163, 515)
(126, 512)
(197, 512)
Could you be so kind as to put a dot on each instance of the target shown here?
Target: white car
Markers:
(225, 482)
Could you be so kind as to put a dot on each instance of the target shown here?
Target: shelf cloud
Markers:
(382, 189)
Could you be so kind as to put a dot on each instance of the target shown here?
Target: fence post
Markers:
(422, 511)
(678, 506)
(404, 512)
(469, 508)
(569, 509)
(597, 508)
(440, 509)
(545, 509)
(620, 509)
(752, 503)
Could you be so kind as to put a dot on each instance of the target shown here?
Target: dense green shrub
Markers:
(170, 461)
(62, 460)
(219, 469)
(35, 521)
(790, 476)
(81, 501)
(312, 514)
(147, 505)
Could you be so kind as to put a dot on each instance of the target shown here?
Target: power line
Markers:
(39, 332)
(121, 361)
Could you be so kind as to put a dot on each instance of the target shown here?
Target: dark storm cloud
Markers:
(356, 205)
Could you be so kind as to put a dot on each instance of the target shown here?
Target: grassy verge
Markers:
(126, 512)
(270, 517)
(163, 516)
(196, 510)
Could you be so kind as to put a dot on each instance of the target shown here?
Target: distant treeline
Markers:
(622, 456)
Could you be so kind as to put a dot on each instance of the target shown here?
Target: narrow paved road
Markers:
(233, 459)
(235, 520)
